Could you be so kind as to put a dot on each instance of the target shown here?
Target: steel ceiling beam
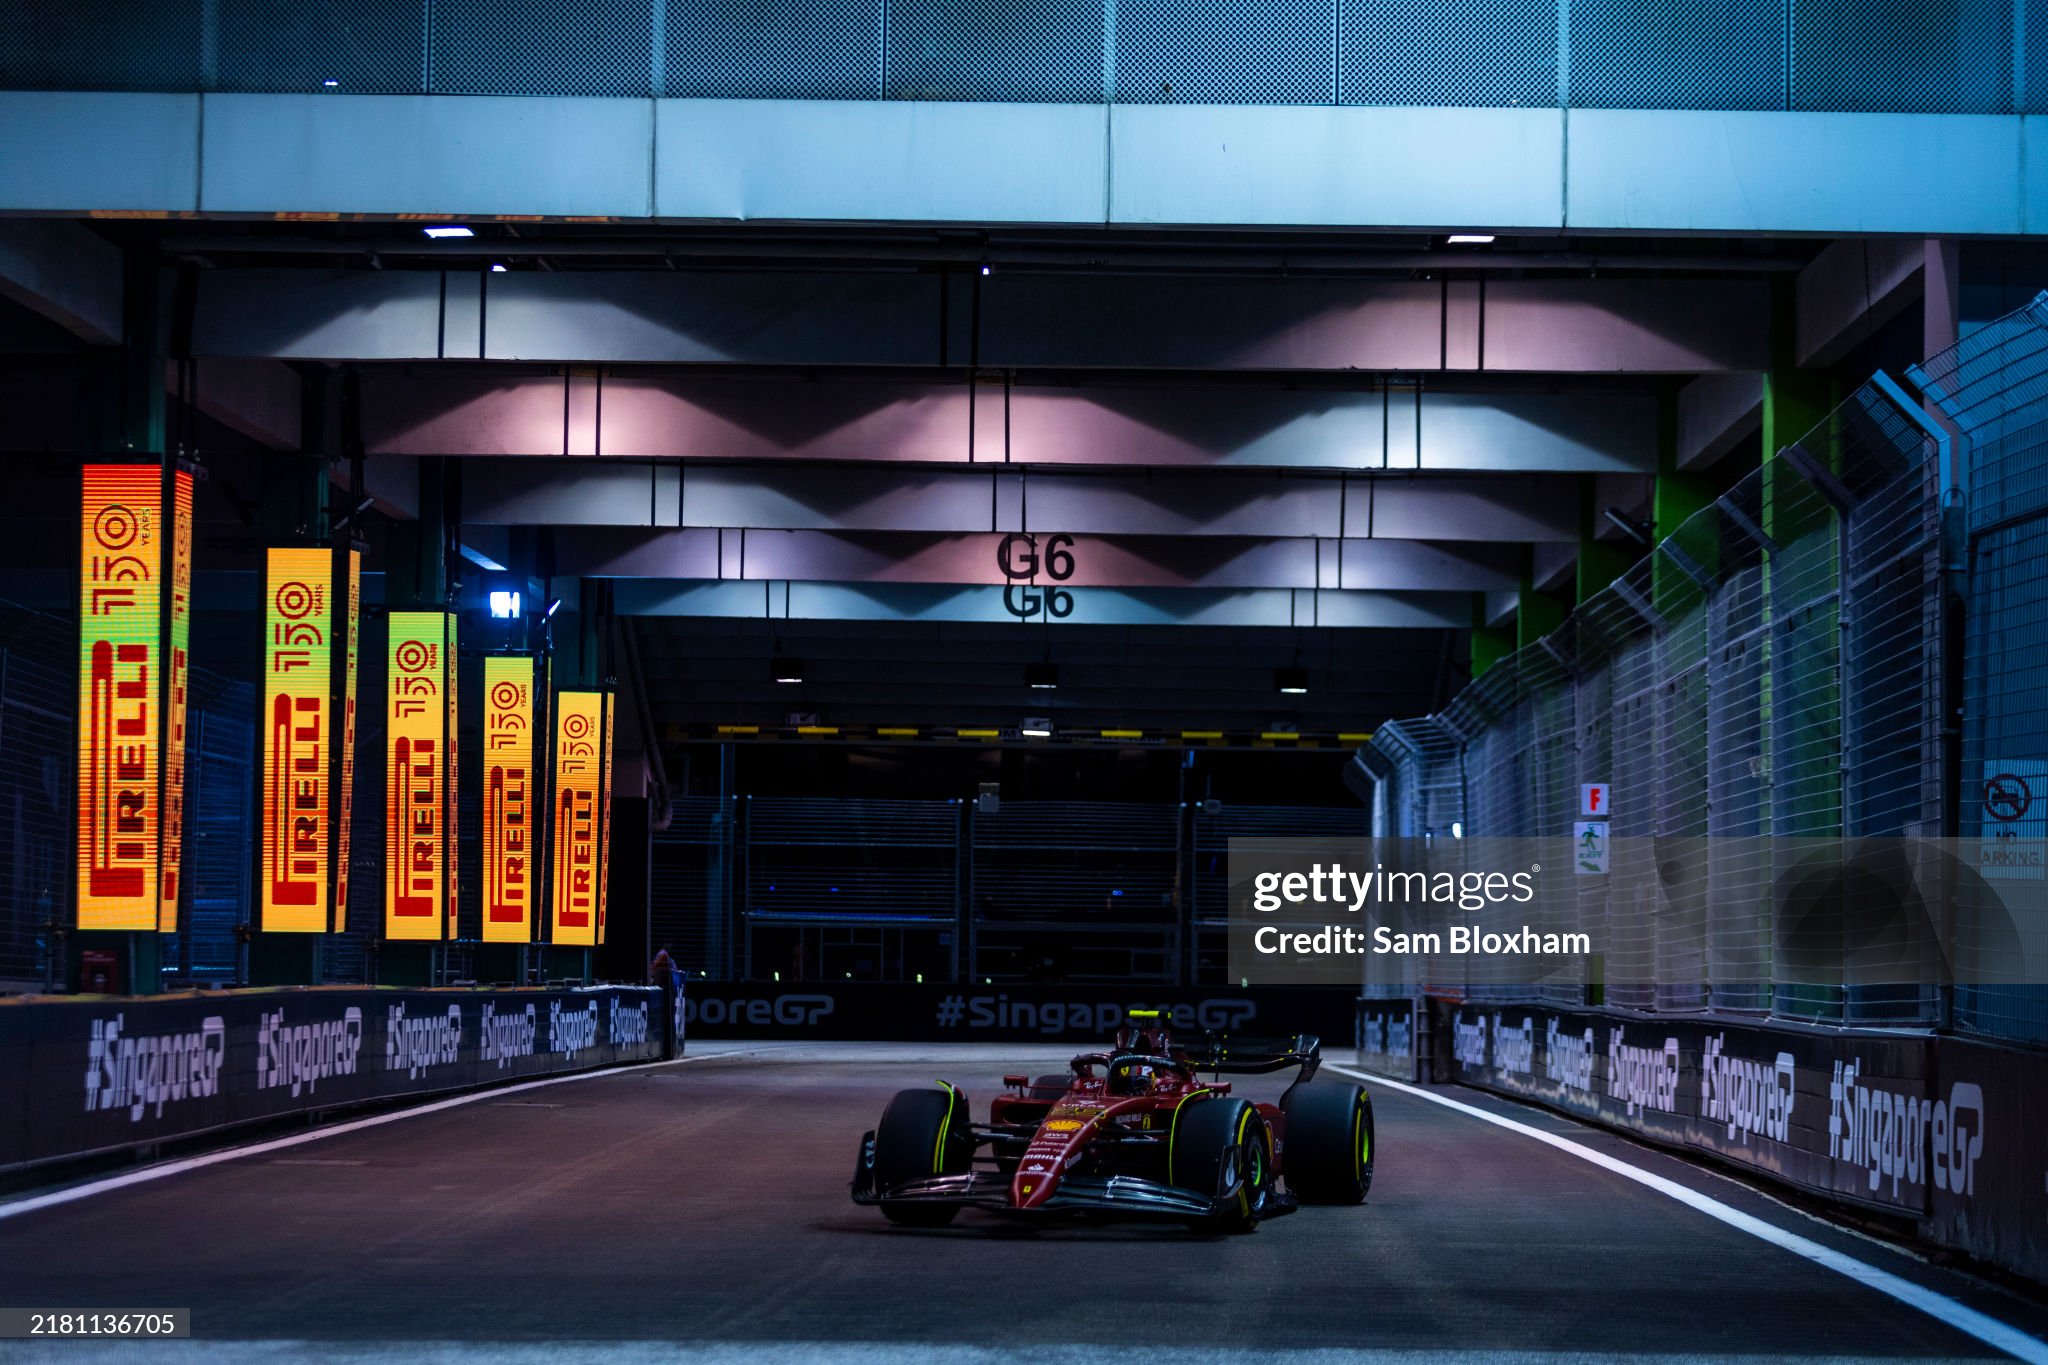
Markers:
(1421, 169)
(700, 416)
(933, 501)
(1277, 608)
(1099, 561)
(1003, 320)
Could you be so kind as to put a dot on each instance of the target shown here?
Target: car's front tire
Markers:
(1329, 1143)
(923, 1133)
(1222, 1148)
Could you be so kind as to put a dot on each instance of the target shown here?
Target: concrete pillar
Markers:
(1794, 399)
(1941, 311)
(1676, 497)
(137, 388)
(1536, 613)
(1600, 561)
(1490, 644)
(294, 505)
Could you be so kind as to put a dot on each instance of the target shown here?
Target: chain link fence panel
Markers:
(1993, 389)
(1766, 682)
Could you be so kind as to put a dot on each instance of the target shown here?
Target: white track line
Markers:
(192, 1163)
(1941, 1307)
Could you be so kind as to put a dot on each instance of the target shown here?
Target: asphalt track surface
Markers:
(705, 1203)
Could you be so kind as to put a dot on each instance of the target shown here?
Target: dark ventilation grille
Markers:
(352, 47)
(1226, 52)
(102, 45)
(1050, 52)
(1948, 56)
(1681, 54)
(773, 49)
(1907, 56)
(542, 47)
(1450, 52)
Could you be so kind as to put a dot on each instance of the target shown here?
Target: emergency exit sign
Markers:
(1593, 800)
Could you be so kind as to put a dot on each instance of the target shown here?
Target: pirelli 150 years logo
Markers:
(306, 618)
(134, 604)
(509, 799)
(419, 879)
(582, 765)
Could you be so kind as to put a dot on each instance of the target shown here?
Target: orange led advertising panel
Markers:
(604, 820)
(130, 715)
(578, 802)
(345, 778)
(509, 800)
(176, 671)
(418, 796)
(300, 619)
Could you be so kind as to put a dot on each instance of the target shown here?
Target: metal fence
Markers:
(1994, 388)
(39, 774)
(1961, 56)
(1770, 672)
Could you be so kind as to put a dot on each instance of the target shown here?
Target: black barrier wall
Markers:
(1944, 1132)
(1013, 1014)
(79, 1076)
(1385, 1033)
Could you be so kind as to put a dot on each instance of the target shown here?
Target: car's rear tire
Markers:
(1222, 1148)
(1328, 1152)
(923, 1133)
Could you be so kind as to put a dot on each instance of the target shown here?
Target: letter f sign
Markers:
(1593, 799)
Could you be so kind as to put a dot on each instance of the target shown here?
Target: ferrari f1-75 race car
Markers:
(1135, 1132)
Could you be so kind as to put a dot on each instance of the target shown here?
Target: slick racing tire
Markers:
(923, 1133)
(1329, 1143)
(1222, 1148)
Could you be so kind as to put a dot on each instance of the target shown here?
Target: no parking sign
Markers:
(2013, 819)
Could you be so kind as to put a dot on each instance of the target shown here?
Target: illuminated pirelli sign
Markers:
(134, 624)
(419, 776)
(511, 800)
(580, 803)
(604, 818)
(345, 771)
(310, 616)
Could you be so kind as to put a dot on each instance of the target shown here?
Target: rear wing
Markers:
(1252, 1056)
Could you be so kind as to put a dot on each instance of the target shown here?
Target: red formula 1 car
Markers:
(1131, 1133)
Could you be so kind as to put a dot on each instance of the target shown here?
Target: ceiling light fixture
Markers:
(1292, 681)
(1470, 239)
(448, 230)
(1042, 675)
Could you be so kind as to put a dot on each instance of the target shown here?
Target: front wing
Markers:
(1123, 1196)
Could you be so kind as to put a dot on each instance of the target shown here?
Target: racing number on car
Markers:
(1019, 557)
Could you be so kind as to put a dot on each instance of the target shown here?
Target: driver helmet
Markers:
(1132, 1077)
